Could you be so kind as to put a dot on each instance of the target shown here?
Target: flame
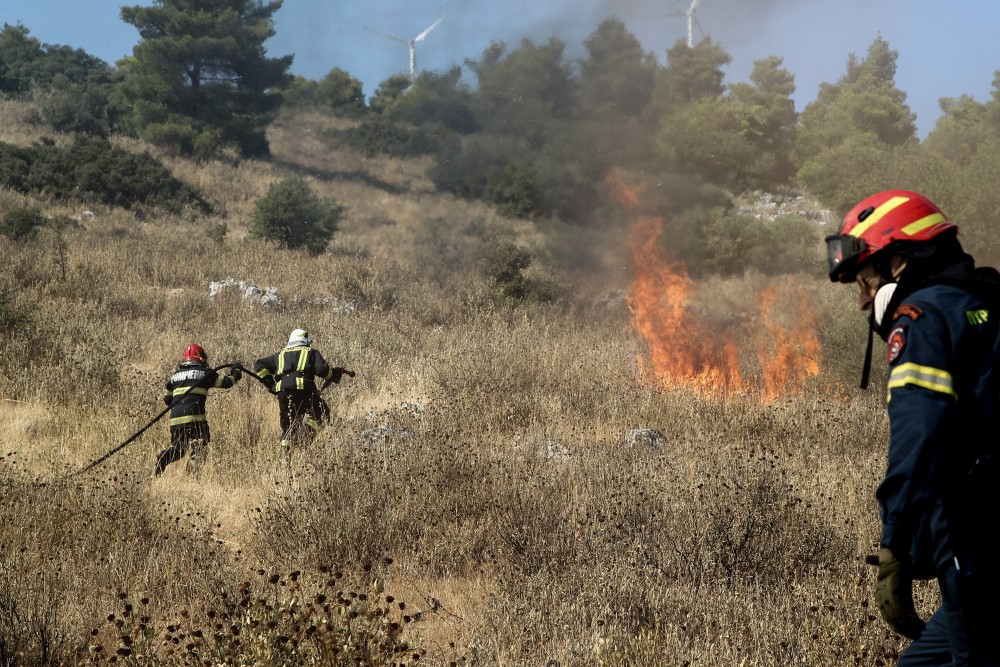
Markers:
(686, 351)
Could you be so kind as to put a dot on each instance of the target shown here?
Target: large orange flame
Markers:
(684, 351)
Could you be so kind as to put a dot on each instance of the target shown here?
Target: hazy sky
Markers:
(946, 48)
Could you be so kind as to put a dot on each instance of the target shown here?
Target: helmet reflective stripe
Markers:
(924, 223)
(877, 215)
(927, 377)
(195, 352)
(880, 222)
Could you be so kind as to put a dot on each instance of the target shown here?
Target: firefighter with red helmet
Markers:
(940, 317)
(291, 373)
(185, 392)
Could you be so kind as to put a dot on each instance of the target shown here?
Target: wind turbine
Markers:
(412, 43)
(692, 21)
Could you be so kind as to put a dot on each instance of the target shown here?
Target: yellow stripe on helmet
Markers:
(920, 225)
(878, 214)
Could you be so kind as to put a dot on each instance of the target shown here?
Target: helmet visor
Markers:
(842, 251)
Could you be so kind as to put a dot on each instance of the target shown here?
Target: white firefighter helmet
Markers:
(299, 337)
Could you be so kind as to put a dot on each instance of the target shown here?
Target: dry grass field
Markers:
(483, 494)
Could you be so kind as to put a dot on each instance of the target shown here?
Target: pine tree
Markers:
(200, 80)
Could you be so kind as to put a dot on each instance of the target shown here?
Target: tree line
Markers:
(537, 134)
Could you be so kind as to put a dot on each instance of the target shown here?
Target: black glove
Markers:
(338, 373)
(894, 594)
(236, 373)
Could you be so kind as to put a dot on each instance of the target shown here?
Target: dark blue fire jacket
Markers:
(186, 390)
(939, 496)
(295, 369)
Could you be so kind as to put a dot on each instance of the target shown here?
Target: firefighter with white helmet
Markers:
(291, 373)
(940, 317)
(185, 392)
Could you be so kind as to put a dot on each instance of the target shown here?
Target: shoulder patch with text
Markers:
(896, 342)
(908, 310)
(976, 317)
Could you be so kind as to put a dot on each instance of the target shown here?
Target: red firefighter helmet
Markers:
(887, 218)
(195, 352)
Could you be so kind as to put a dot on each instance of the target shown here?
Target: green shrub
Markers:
(291, 215)
(504, 264)
(11, 317)
(513, 190)
(179, 136)
(75, 109)
(21, 223)
(734, 243)
(218, 233)
(92, 167)
(383, 137)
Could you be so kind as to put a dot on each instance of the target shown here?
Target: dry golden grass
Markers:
(481, 447)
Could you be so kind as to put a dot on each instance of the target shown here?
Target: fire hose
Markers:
(111, 452)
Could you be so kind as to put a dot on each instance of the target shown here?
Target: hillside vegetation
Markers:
(605, 407)
(483, 470)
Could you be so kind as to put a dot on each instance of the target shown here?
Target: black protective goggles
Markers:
(842, 251)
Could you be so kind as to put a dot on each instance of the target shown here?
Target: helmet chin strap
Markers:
(866, 371)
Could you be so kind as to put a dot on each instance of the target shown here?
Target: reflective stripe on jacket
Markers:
(186, 390)
(293, 369)
(944, 346)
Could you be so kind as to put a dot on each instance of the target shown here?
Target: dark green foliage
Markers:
(863, 103)
(26, 63)
(81, 109)
(845, 174)
(388, 92)
(742, 140)
(21, 223)
(385, 137)
(513, 190)
(734, 243)
(504, 264)
(200, 80)
(11, 317)
(522, 91)
(341, 93)
(964, 127)
(616, 81)
(692, 73)
(768, 122)
(436, 99)
(218, 233)
(292, 216)
(463, 169)
(93, 168)
(337, 92)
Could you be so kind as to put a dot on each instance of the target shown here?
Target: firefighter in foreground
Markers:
(291, 373)
(940, 317)
(185, 392)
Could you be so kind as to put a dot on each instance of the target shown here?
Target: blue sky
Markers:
(946, 49)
